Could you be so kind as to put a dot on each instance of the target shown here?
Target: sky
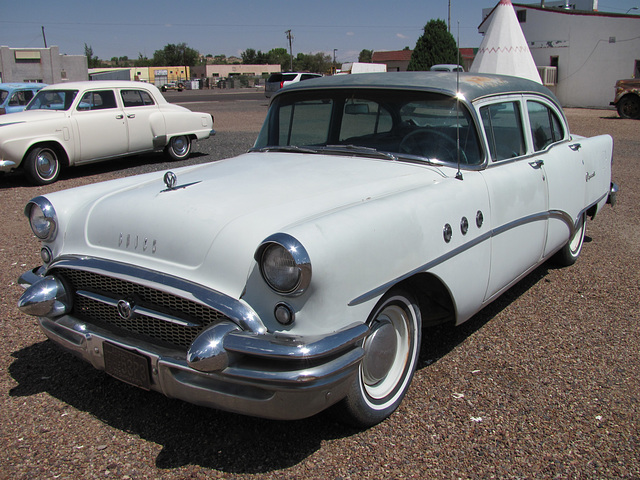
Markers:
(118, 28)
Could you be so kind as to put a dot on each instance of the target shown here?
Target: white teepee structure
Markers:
(504, 49)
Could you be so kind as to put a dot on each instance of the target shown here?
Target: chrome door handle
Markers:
(131, 115)
(119, 117)
(575, 147)
(536, 164)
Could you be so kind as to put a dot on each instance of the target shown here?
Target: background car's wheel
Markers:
(391, 355)
(42, 166)
(570, 252)
(179, 148)
(629, 106)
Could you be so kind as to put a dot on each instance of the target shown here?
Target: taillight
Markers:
(282, 84)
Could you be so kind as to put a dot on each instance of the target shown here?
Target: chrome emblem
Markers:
(125, 309)
(170, 180)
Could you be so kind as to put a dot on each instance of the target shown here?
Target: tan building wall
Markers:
(44, 65)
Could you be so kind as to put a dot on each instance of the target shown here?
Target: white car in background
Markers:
(280, 80)
(74, 123)
(299, 276)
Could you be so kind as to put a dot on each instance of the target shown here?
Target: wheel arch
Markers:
(433, 297)
(63, 156)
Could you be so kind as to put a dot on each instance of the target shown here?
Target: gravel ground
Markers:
(541, 384)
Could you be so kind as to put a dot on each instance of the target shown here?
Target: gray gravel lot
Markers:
(541, 384)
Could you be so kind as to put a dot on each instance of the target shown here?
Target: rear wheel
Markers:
(179, 148)
(570, 252)
(42, 166)
(629, 106)
(391, 355)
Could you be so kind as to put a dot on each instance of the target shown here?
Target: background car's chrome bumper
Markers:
(297, 389)
(7, 165)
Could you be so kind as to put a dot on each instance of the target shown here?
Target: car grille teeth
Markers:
(195, 317)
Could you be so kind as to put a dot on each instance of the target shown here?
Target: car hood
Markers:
(223, 210)
(30, 116)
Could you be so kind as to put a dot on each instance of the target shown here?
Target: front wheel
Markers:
(568, 254)
(629, 106)
(42, 166)
(179, 148)
(390, 359)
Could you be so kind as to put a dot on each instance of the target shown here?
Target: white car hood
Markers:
(29, 116)
(228, 207)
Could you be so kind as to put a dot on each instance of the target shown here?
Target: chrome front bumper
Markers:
(270, 375)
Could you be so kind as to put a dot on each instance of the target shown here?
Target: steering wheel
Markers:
(430, 143)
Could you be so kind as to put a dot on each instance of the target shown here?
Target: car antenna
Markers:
(459, 173)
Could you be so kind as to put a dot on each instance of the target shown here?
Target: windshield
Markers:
(403, 124)
(53, 100)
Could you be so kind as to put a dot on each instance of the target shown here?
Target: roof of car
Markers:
(99, 84)
(471, 85)
(14, 85)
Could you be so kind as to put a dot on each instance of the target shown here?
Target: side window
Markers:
(364, 118)
(21, 98)
(100, 100)
(546, 127)
(136, 98)
(503, 127)
(304, 123)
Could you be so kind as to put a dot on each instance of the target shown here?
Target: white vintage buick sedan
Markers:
(83, 122)
(299, 276)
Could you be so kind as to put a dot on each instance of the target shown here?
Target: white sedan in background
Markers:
(83, 122)
(299, 276)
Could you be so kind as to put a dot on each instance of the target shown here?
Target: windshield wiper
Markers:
(284, 148)
(357, 150)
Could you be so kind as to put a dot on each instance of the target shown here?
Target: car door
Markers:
(517, 194)
(101, 126)
(563, 168)
(138, 107)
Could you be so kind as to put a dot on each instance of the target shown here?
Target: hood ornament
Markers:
(170, 180)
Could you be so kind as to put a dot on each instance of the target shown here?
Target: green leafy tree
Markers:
(315, 63)
(436, 45)
(179, 54)
(92, 61)
(141, 61)
(365, 56)
(279, 56)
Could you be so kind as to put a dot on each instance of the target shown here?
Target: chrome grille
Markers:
(156, 330)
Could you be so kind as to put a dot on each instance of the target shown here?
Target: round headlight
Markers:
(284, 264)
(42, 218)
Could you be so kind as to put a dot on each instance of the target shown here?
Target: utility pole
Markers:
(334, 61)
(44, 38)
(290, 38)
(449, 18)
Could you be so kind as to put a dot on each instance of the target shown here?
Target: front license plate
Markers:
(125, 365)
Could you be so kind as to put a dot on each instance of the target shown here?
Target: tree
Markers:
(315, 63)
(279, 56)
(365, 56)
(436, 45)
(92, 61)
(176, 55)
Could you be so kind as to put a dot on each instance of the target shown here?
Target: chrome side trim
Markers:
(573, 225)
(234, 309)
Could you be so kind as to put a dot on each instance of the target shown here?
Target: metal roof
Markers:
(471, 85)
